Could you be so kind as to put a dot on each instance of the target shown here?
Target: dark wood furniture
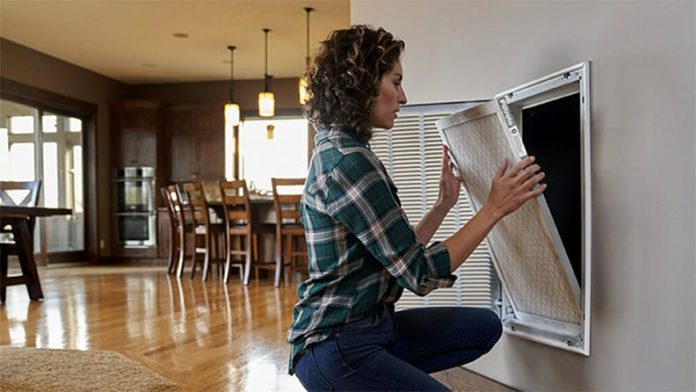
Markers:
(22, 220)
(134, 129)
(196, 135)
(290, 242)
(206, 232)
(184, 142)
(238, 227)
(135, 134)
(242, 228)
(14, 193)
(177, 239)
(31, 197)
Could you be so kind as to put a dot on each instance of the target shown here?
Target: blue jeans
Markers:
(396, 350)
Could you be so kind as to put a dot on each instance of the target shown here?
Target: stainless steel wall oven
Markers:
(135, 207)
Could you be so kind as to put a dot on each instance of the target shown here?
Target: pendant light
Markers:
(302, 85)
(232, 108)
(232, 117)
(266, 98)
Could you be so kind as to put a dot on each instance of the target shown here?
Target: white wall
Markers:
(643, 166)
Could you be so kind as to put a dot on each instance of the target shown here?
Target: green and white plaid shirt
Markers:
(362, 250)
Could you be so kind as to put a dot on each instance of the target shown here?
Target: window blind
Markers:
(412, 153)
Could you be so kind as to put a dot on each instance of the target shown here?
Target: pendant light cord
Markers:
(265, 72)
(231, 48)
(308, 10)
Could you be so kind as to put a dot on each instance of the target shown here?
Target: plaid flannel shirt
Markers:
(362, 250)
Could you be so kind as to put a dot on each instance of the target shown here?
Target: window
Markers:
(48, 146)
(272, 148)
(412, 153)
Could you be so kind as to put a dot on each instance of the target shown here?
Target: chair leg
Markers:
(255, 257)
(259, 256)
(247, 265)
(172, 250)
(3, 276)
(194, 256)
(219, 249)
(289, 258)
(206, 258)
(278, 258)
(182, 252)
(215, 255)
(293, 257)
(228, 258)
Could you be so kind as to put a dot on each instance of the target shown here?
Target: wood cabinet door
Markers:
(210, 143)
(182, 151)
(134, 127)
(145, 124)
(196, 135)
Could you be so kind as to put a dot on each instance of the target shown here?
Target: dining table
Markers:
(22, 220)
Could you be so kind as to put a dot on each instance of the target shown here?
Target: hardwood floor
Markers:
(205, 336)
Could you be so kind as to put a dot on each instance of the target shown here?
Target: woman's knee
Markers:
(491, 323)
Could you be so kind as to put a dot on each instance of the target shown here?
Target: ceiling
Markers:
(133, 41)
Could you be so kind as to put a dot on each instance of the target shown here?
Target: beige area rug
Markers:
(38, 370)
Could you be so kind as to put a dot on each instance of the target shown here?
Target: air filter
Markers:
(543, 288)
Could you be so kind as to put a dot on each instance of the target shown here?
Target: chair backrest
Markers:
(287, 194)
(172, 201)
(168, 204)
(197, 203)
(27, 192)
(235, 201)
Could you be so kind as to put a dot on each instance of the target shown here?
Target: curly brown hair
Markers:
(345, 76)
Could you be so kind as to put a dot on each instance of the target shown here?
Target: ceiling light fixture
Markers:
(232, 117)
(303, 86)
(232, 108)
(266, 98)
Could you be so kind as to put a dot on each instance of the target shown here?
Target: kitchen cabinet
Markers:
(134, 129)
(136, 162)
(196, 138)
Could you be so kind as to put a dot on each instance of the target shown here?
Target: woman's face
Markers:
(391, 97)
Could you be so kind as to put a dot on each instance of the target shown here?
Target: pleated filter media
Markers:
(525, 246)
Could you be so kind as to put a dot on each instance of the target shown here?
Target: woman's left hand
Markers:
(450, 184)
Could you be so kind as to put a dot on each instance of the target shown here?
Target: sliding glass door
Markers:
(38, 144)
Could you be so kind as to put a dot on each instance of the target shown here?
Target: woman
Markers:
(363, 252)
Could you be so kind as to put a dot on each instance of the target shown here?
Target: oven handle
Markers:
(134, 179)
(147, 213)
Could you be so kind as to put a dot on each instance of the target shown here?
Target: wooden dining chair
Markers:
(290, 244)
(205, 232)
(177, 227)
(14, 193)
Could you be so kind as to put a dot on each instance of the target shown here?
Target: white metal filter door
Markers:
(532, 268)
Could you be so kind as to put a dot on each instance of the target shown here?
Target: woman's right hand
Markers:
(512, 188)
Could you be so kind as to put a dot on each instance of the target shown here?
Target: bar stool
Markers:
(204, 231)
(235, 203)
(290, 235)
(240, 227)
